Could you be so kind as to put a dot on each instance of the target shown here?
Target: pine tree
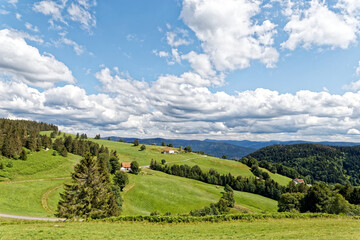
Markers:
(90, 194)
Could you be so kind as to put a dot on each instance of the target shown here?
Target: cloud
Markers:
(350, 6)
(77, 11)
(50, 8)
(358, 70)
(13, 2)
(79, 49)
(29, 26)
(82, 15)
(318, 25)
(229, 35)
(178, 37)
(24, 62)
(4, 12)
(353, 86)
(18, 16)
(179, 107)
(353, 131)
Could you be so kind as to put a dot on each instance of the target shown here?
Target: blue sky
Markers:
(194, 69)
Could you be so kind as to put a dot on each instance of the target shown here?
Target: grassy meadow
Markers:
(154, 190)
(32, 187)
(320, 229)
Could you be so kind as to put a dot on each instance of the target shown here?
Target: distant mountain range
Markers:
(230, 148)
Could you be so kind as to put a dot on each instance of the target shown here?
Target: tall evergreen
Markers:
(89, 195)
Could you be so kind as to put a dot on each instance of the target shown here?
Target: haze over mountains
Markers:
(232, 149)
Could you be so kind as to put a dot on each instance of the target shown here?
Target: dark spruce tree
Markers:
(89, 195)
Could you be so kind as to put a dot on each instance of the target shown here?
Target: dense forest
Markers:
(314, 162)
(16, 134)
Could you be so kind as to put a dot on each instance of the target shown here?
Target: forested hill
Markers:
(316, 162)
(16, 134)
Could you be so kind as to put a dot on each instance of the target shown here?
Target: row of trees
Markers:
(268, 188)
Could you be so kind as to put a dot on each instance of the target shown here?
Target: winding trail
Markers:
(45, 196)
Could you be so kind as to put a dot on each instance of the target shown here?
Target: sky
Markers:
(189, 69)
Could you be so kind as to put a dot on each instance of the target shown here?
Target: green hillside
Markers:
(40, 178)
(127, 153)
(316, 162)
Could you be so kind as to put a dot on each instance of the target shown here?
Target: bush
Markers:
(155, 213)
(142, 148)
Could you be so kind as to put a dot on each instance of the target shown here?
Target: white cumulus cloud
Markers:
(229, 35)
(25, 63)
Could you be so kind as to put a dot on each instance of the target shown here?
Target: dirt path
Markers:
(45, 196)
(34, 180)
(31, 218)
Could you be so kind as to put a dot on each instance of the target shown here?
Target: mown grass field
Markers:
(320, 229)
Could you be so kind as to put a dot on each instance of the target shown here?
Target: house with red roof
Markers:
(125, 166)
(299, 180)
(170, 151)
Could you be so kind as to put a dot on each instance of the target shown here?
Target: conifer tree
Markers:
(89, 195)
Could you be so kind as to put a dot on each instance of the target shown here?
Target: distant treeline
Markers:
(268, 188)
(313, 162)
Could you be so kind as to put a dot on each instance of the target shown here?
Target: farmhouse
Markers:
(298, 180)
(169, 150)
(125, 166)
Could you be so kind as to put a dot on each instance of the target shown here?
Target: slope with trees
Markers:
(315, 162)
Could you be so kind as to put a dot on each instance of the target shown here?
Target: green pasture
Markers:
(320, 229)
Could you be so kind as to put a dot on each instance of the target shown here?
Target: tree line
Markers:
(268, 188)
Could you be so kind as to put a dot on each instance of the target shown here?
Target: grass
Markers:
(39, 165)
(24, 198)
(166, 193)
(128, 153)
(32, 187)
(321, 229)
